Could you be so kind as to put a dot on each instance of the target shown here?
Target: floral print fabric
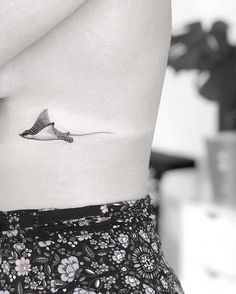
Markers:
(104, 249)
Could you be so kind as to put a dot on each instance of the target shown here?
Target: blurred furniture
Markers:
(208, 248)
(163, 162)
(176, 186)
(198, 235)
(160, 163)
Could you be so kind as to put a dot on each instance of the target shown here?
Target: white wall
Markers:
(184, 117)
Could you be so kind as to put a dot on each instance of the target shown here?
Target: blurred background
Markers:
(192, 178)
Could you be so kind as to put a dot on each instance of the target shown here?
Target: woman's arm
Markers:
(22, 22)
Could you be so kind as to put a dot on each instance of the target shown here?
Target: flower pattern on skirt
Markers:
(98, 249)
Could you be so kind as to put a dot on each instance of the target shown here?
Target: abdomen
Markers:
(101, 70)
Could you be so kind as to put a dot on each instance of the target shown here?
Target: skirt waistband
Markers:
(12, 221)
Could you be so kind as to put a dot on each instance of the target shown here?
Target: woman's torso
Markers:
(101, 70)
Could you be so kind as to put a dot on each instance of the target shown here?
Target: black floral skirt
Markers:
(104, 249)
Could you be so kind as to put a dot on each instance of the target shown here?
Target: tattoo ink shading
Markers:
(44, 130)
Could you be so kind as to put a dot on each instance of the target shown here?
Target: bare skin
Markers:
(99, 68)
(33, 20)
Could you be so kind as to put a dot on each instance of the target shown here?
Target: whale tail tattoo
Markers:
(44, 130)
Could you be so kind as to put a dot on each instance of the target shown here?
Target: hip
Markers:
(107, 248)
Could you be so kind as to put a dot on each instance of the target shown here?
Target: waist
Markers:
(36, 174)
(43, 221)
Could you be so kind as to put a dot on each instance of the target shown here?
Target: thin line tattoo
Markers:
(48, 132)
